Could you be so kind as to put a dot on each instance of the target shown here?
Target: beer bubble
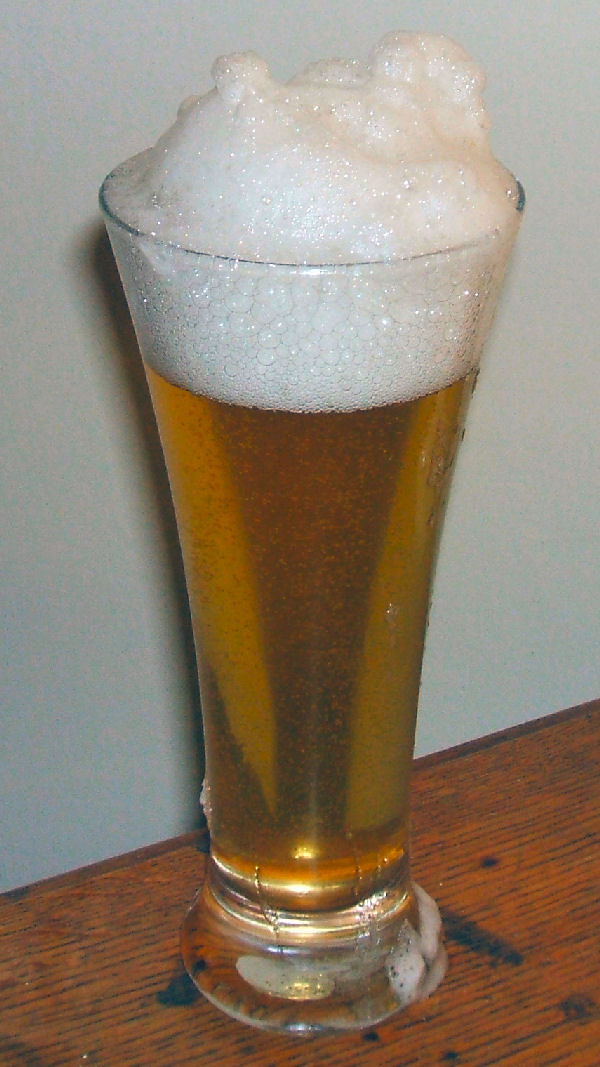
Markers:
(238, 324)
(238, 301)
(266, 355)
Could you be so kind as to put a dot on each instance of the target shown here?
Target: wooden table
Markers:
(505, 836)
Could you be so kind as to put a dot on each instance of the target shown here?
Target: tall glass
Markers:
(310, 417)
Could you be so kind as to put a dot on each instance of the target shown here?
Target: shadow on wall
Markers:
(132, 380)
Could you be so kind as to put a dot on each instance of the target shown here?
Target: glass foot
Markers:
(306, 973)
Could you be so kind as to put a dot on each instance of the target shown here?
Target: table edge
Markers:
(509, 733)
(198, 838)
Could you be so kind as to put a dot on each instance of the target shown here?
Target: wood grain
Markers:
(505, 836)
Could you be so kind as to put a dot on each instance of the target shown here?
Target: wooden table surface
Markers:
(505, 835)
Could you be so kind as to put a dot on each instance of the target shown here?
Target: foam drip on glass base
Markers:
(330, 972)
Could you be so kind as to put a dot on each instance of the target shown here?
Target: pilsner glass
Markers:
(310, 417)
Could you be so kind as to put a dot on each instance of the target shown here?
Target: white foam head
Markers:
(385, 164)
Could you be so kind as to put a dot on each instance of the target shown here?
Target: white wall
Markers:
(99, 712)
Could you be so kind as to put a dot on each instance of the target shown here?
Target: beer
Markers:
(312, 268)
(309, 541)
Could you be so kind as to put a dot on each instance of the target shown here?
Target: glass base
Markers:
(313, 973)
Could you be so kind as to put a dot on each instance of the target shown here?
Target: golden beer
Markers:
(309, 541)
(312, 268)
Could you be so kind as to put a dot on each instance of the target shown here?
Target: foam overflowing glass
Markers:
(310, 417)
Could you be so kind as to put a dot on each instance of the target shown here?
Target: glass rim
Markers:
(307, 266)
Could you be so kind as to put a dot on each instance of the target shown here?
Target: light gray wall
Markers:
(99, 712)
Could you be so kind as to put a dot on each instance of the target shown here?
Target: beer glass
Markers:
(310, 417)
